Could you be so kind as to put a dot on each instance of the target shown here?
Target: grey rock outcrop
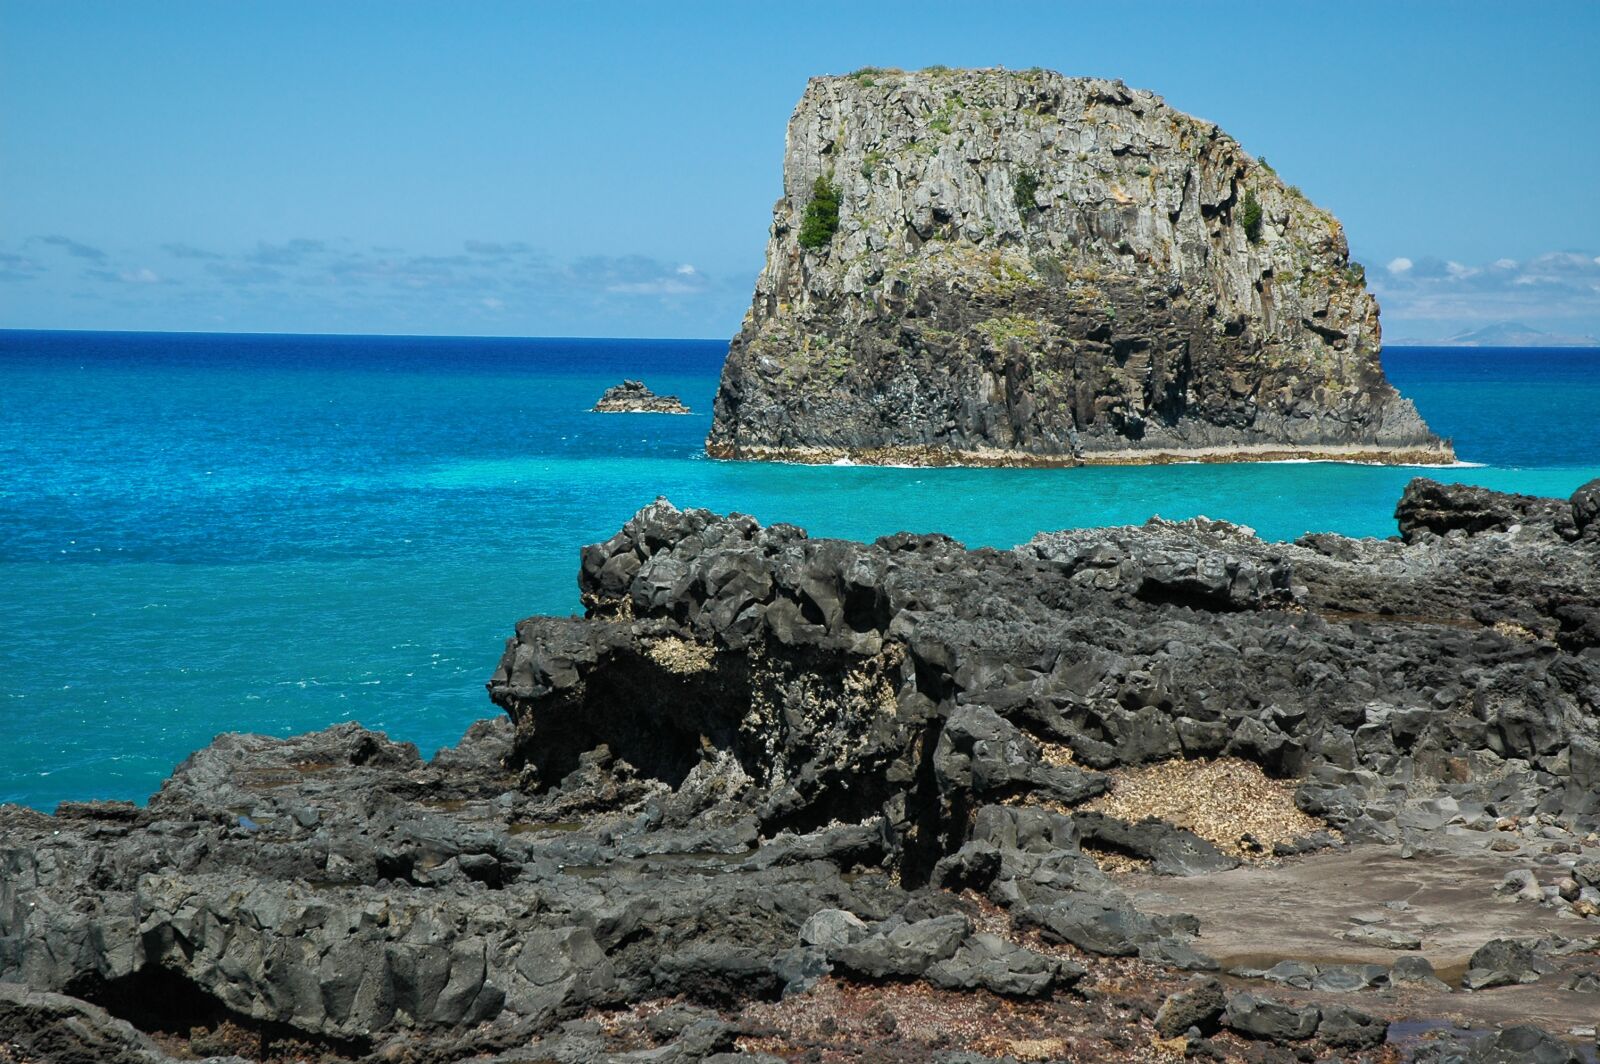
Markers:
(1030, 269)
(1502, 962)
(1255, 1016)
(633, 397)
(1199, 1005)
(1523, 1044)
(913, 676)
(763, 763)
(1003, 968)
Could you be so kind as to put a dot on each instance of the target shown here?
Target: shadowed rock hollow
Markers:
(1034, 269)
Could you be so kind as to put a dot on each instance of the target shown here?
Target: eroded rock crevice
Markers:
(163, 1002)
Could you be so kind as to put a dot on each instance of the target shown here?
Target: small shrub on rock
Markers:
(1250, 217)
(1022, 190)
(821, 219)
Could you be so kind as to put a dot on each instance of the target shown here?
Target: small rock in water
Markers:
(1485, 979)
(1382, 937)
(1346, 978)
(632, 397)
(1291, 973)
(1416, 970)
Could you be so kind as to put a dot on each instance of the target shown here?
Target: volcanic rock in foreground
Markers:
(1030, 269)
(777, 795)
(632, 397)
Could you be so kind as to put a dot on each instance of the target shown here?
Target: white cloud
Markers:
(497, 248)
(664, 287)
(1556, 292)
(142, 275)
(312, 283)
(289, 253)
(15, 267)
(637, 275)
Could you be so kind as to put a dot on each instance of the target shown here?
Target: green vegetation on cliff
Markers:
(1022, 190)
(1250, 217)
(822, 215)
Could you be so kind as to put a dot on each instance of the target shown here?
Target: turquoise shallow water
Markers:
(202, 534)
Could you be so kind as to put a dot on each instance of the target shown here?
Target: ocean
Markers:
(201, 534)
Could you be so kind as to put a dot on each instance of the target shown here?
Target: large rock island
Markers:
(1019, 268)
(1145, 793)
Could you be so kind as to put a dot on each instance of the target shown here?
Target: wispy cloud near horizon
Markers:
(1558, 291)
(490, 247)
(188, 251)
(138, 275)
(71, 247)
(290, 253)
(514, 286)
(496, 286)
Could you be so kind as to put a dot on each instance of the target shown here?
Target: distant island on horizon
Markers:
(1502, 334)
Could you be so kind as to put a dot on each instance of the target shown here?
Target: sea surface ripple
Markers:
(205, 533)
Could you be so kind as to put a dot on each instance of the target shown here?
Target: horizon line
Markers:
(364, 335)
(1410, 345)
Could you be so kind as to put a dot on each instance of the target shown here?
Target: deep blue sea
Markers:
(202, 534)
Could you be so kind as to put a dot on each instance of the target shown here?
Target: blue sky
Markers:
(609, 169)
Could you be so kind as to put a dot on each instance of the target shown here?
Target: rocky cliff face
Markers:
(1035, 269)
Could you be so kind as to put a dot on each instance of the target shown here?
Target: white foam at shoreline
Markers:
(847, 463)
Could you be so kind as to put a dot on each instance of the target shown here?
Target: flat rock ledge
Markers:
(777, 798)
(633, 397)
